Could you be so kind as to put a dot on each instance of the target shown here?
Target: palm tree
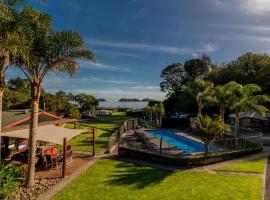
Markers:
(246, 99)
(161, 112)
(155, 111)
(149, 113)
(202, 91)
(221, 97)
(13, 45)
(209, 129)
(51, 51)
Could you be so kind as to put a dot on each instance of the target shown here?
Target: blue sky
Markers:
(135, 39)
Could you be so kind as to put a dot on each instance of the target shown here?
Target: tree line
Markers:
(249, 68)
(18, 96)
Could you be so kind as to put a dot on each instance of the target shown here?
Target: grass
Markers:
(113, 180)
(105, 128)
(256, 166)
(117, 117)
(82, 142)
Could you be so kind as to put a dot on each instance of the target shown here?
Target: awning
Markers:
(48, 133)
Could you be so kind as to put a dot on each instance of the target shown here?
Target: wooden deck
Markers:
(79, 160)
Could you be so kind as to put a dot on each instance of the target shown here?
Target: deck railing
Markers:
(118, 135)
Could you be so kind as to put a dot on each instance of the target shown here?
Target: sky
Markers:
(133, 40)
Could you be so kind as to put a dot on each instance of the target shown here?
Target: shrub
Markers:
(9, 177)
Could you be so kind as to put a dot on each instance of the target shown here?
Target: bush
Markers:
(9, 177)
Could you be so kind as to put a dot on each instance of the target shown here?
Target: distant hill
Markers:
(148, 100)
(101, 100)
(129, 100)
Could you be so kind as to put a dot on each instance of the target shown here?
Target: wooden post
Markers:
(64, 157)
(160, 146)
(75, 125)
(93, 141)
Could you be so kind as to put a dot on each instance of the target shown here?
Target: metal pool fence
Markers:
(141, 141)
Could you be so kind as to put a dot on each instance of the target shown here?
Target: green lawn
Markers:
(104, 129)
(82, 142)
(256, 166)
(117, 180)
(117, 117)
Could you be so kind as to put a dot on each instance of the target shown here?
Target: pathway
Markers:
(267, 181)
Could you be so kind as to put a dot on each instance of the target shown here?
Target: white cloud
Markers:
(101, 66)
(117, 53)
(253, 7)
(117, 93)
(206, 48)
(52, 81)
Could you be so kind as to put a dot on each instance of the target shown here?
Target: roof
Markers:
(20, 119)
(252, 115)
(49, 133)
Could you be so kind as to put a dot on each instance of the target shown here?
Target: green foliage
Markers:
(75, 113)
(208, 128)
(174, 77)
(246, 98)
(180, 101)
(156, 112)
(197, 67)
(246, 69)
(202, 91)
(9, 176)
(86, 101)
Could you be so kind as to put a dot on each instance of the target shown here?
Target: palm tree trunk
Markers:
(1, 105)
(236, 124)
(222, 113)
(32, 143)
(199, 108)
(2, 83)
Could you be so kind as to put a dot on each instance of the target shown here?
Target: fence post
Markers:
(93, 141)
(160, 145)
(64, 157)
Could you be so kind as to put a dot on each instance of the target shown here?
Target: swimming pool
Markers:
(186, 144)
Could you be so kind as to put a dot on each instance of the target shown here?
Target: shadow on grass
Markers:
(138, 177)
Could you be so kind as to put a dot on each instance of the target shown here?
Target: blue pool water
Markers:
(186, 144)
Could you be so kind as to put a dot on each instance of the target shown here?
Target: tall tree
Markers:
(161, 112)
(221, 97)
(197, 67)
(86, 102)
(174, 77)
(13, 44)
(51, 51)
(246, 99)
(202, 91)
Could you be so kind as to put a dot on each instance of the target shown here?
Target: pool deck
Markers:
(149, 143)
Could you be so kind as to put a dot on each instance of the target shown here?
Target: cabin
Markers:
(252, 120)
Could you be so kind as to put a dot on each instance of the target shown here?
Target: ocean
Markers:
(115, 104)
